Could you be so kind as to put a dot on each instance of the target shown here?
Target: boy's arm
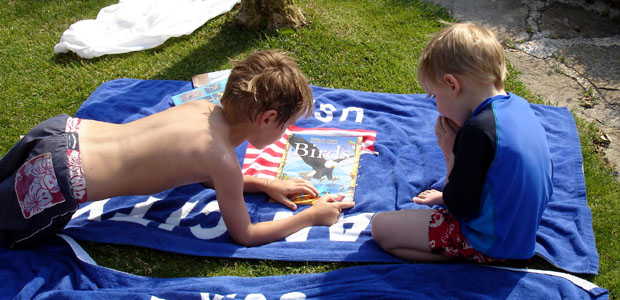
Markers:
(279, 190)
(475, 152)
(229, 184)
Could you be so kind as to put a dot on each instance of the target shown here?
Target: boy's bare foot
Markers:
(429, 197)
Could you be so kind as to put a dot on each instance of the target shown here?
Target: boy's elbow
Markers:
(245, 239)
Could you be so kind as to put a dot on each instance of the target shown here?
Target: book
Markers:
(211, 92)
(207, 86)
(199, 80)
(330, 163)
(270, 163)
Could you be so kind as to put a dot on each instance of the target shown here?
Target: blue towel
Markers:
(187, 220)
(57, 271)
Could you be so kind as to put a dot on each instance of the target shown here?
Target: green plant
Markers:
(588, 100)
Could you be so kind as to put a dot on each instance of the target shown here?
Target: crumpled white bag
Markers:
(134, 25)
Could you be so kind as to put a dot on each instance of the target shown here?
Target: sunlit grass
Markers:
(361, 45)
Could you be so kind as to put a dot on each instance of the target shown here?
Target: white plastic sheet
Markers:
(134, 25)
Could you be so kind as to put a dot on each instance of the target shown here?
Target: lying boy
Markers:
(498, 161)
(65, 161)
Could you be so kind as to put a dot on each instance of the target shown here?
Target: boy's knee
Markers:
(377, 227)
(382, 229)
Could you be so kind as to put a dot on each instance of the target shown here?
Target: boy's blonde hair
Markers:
(464, 49)
(263, 81)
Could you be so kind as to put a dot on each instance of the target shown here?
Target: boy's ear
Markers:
(267, 117)
(453, 83)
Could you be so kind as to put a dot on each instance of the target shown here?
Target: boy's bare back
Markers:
(178, 146)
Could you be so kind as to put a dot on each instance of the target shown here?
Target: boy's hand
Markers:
(327, 208)
(281, 190)
(445, 130)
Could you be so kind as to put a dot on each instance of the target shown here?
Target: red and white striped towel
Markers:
(264, 163)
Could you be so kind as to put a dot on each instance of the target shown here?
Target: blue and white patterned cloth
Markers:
(187, 219)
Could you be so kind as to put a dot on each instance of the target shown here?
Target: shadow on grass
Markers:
(229, 42)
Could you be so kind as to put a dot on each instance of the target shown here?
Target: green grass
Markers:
(361, 45)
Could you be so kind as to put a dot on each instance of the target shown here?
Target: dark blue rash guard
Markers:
(500, 183)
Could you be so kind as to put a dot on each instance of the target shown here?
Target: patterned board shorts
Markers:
(445, 237)
(41, 183)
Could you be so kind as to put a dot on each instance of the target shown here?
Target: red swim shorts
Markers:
(445, 237)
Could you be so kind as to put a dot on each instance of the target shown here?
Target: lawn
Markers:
(361, 45)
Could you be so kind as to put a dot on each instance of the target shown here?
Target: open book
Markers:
(211, 92)
(207, 86)
(329, 158)
(330, 163)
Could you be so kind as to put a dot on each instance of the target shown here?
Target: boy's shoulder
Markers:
(482, 122)
(200, 103)
(197, 118)
(197, 108)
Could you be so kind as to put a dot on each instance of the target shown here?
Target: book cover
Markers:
(203, 79)
(211, 92)
(270, 162)
(199, 80)
(330, 163)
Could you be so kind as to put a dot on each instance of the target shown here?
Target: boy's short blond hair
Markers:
(266, 80)
(465, 49)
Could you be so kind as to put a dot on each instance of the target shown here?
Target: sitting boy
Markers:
(498, 162)
(65, 161)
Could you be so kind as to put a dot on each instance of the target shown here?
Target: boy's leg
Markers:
(404, 233)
